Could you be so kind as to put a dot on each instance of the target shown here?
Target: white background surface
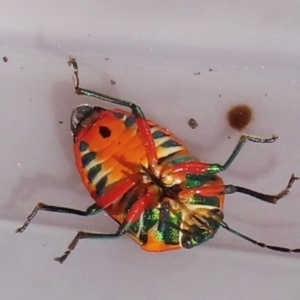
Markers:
(154, 48)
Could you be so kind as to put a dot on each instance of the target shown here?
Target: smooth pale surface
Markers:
(245, 53)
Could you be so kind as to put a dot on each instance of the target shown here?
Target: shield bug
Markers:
(147, 180)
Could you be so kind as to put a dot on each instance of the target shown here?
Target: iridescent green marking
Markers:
(209, 201)
(194, 180)
(88, 158)
(174, 233)
(93, 172)
(150, 218)
(135, 227)
(170, 235)
(214, 168)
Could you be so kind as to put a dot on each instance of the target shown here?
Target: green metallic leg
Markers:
(89, 235)
(131, 218)
(140, 119)
(230, 189)
(91, 210)
(136, 110)
(215, 168)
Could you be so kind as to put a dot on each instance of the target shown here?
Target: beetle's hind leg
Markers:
(87, 235)
(230, 189)
(91, 210)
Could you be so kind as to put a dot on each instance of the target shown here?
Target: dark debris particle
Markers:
(112, 82)
(197, 73)
(210, 70)
(192, 123)
(106, 58)
(5, 59)
(60, 122)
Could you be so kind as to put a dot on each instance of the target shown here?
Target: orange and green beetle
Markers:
(147, 180)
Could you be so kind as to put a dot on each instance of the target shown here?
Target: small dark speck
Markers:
(106, 58)
(112, 82)
(119, 143)
(266, 95)
(220, 96)
(210, 70)
(60, 122)
(197, 73)
(5, 59)
(21, 68)
(192, 123)
(229, 137)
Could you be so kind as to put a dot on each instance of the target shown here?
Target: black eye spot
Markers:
(104, 131)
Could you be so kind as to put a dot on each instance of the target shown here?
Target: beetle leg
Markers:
(86, 235)
(91, 210)
(141, 121)
(101, 203)
(203, 168)
(216, 190)
(243, 139)
(230, 189)
(164, 216)
(195, 167)
(133, 216)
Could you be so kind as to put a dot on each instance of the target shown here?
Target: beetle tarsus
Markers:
(62, 258)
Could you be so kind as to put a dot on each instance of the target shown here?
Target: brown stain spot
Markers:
(112, 82)
(192, 123)
(5, 59)
(239, 116)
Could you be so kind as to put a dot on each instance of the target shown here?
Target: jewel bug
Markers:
(147, 180)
